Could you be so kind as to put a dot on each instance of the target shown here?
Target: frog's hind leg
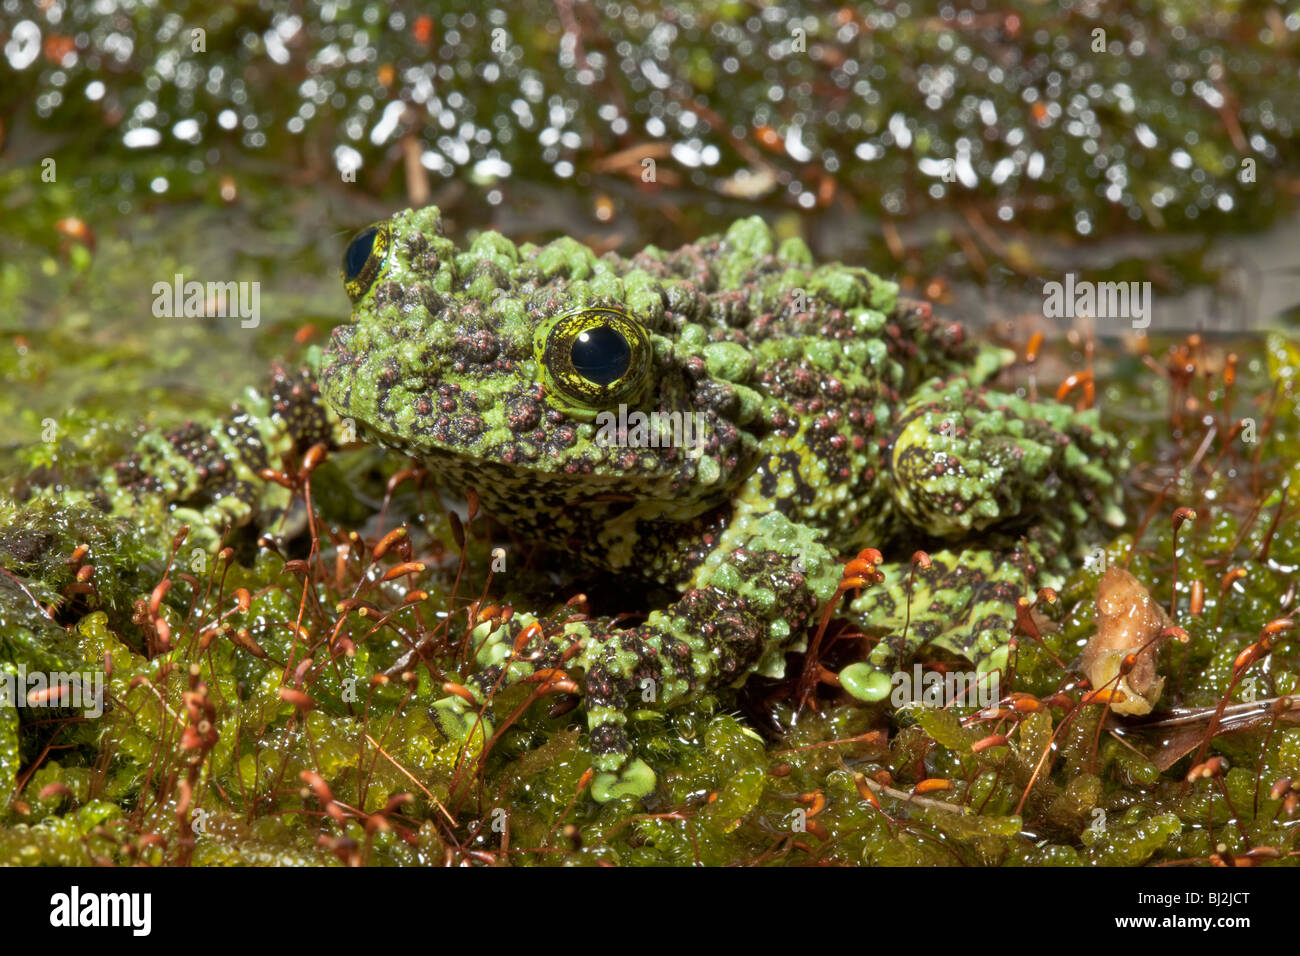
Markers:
(752, 598)
(1009, 488)
(965, 459)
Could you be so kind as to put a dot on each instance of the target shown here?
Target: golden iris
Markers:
(596, 357)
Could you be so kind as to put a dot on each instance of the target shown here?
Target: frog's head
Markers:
(542, 377)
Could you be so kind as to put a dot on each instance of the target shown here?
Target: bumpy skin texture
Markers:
(835, 416)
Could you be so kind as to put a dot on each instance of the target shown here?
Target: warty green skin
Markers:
(837, 416)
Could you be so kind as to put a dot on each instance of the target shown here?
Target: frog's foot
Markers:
(966, 459)
(750, 600)
(619, 774)
(1021, 482)
(964, 603)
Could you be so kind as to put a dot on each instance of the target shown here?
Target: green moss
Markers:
(725, 794)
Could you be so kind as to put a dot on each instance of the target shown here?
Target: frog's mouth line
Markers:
(458, 470)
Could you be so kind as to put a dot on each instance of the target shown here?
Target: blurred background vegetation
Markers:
(940, 142)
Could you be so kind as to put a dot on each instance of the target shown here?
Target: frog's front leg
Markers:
(752, 597)
(1010, 488)
(209, 474)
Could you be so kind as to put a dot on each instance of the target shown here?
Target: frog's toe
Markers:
(636, 779)
(864, 682)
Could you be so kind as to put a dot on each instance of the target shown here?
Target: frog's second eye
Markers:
(595, 357)
(364, 258)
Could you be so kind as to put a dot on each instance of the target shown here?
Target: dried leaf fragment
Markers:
(1128, 621)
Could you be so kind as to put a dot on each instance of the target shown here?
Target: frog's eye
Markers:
(364, 258)
(601, 355)
(595, 357)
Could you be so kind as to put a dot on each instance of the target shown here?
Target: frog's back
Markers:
(834, 353)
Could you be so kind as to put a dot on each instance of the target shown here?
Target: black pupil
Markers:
(358, 253)
(601, 355)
